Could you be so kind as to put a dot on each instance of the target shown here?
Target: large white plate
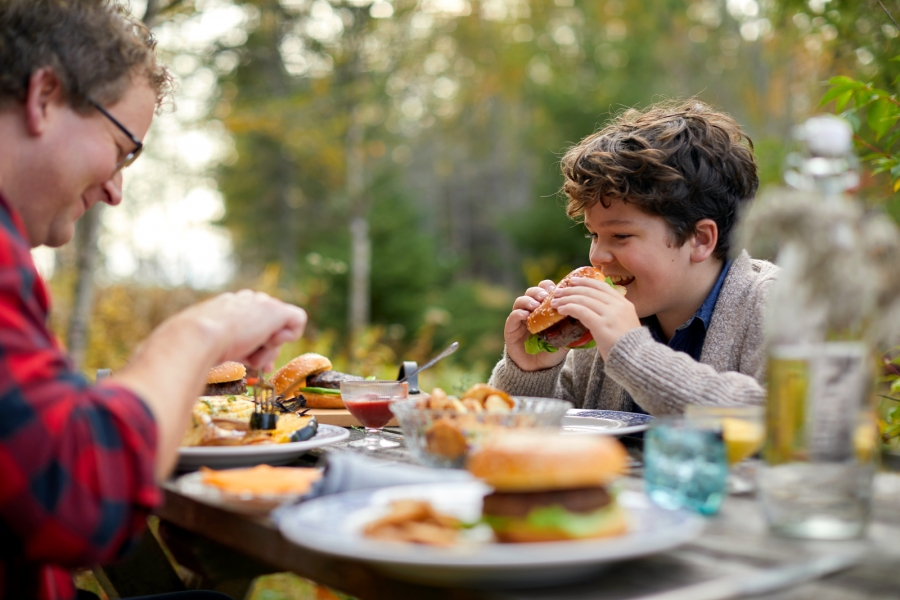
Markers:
(333, 524)
(612, 422)
(223, 457)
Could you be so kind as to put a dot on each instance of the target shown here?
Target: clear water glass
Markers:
(685, 465)
(744, 431)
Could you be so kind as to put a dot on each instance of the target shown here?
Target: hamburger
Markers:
(550, 330)
(227, 379)
(310, 377)
(550, 487)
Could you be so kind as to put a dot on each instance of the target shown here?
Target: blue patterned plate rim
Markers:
(613, 422)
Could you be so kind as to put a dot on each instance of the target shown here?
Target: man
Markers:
(79, 463)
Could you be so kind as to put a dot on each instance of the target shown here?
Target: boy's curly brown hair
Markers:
(681, 161)
(95, 47)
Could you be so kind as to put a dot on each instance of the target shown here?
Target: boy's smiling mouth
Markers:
(622, 280)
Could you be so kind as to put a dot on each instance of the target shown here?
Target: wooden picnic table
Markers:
(228, 550)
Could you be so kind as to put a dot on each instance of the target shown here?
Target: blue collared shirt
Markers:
(690, 336)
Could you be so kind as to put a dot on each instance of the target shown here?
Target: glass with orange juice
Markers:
(743, 431)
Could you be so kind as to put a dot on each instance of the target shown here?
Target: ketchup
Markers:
(371, 410)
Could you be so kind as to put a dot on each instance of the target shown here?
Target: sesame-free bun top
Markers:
(227, 371)
(524, 461)
(293, 375)
(545, 316)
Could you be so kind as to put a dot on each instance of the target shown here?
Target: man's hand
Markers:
(516, 332)
(247, 326)
(603, 310)
(169, 369)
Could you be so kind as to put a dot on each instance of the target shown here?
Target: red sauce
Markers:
(372, 412)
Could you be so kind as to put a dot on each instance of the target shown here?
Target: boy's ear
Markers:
(45, 91)
(704, 240)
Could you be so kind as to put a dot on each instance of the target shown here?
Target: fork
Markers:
(264, 413)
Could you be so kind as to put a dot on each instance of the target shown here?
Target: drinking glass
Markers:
(744, 431)
(685, 465)
(369, 402)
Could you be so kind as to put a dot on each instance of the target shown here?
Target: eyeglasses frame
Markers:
(138, 144)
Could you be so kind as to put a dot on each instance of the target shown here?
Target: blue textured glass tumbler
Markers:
(685, 466)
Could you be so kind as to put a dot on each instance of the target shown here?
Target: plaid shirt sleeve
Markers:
(76, 460)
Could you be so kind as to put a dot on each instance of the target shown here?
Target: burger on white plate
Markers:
(550, 487)
(310, 376)
(550, 330)
(227, 379)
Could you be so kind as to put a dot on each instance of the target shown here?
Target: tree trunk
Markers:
(87, 233)
(361, 244)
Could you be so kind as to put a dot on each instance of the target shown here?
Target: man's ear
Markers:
(45, 90)
(704, 240)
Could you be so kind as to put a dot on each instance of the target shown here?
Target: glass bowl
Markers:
(443, 438)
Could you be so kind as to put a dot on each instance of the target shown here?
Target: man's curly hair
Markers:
(681, 161)
(95, 47)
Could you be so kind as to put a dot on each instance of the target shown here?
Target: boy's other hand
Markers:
(516, 332)
(603, 310)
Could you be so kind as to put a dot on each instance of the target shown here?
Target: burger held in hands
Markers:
(550, 330)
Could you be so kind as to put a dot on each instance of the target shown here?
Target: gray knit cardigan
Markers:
(661, 380)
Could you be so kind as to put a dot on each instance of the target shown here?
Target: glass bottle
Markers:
(819, 456)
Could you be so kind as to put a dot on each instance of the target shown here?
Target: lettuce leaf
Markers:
(535, 345)
(610, 281)
(558, 518)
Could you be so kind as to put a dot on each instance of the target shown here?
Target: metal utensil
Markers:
(264, 414)
(763, 581)
(447, 352)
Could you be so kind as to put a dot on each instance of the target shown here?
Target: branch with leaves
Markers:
(872, 112)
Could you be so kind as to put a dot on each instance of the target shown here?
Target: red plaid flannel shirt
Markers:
(76, 460)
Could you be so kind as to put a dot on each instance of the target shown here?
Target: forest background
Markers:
(392, 166)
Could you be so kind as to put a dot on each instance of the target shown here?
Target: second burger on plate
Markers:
(310, 375)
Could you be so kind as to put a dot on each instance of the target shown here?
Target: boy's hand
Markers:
(516, 332)
(603, 310)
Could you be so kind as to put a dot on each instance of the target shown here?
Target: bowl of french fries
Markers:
(440, 430)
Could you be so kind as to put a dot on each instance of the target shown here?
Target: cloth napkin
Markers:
(348, 471)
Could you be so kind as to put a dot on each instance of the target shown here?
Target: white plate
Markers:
(223, 457)
(611, 422)
(333, 524)
(252, 504)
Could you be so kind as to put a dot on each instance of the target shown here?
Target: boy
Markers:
(659, 192)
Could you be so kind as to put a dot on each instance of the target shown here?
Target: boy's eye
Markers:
(590, 236)
(621, 236)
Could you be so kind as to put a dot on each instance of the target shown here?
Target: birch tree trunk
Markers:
(361, 244)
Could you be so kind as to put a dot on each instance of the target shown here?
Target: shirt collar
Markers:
(705, 312)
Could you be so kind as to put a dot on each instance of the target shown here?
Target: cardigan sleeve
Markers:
(664, 381)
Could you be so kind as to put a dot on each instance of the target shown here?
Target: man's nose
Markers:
(113, 190)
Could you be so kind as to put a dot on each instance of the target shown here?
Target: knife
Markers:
(762, 581)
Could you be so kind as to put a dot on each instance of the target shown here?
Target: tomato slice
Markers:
(585, 339)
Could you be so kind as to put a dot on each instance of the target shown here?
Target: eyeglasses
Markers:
(138, 144)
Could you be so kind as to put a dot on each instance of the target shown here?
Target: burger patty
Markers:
(330, 379)
(565, 332)
(519, 504)
(226, 388)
